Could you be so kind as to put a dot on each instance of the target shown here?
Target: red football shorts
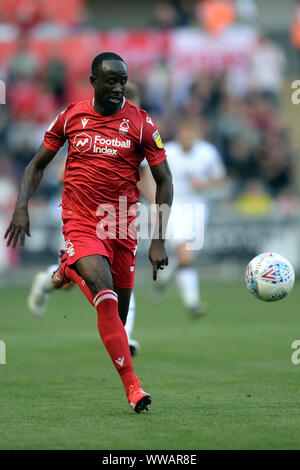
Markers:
(83, 239)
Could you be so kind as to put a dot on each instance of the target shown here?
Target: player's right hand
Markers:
(18, 227)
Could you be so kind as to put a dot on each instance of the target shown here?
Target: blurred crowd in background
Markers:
(239, 107)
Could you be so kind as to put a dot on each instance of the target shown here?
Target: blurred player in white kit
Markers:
(196, 167)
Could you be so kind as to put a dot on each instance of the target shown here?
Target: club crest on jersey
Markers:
(82, 142)
(157, 139)
(124, 126)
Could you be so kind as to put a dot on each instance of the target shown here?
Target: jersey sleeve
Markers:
(151, 143)
(55, 135)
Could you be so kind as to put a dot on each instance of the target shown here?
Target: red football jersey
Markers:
(104, 154)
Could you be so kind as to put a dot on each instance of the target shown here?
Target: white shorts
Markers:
(187, 224)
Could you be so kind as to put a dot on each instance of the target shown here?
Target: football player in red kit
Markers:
(108, 138)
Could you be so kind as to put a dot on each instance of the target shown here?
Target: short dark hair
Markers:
(104, 56)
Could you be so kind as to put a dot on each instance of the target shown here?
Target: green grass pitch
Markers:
(225, 381)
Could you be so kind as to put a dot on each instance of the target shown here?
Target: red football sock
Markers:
(73, 276)
(113, 335)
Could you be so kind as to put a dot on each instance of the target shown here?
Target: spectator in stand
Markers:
(165, 16)
(174, 13)
(275, 163)
(24, 65)
(56, 77)
(158, 88)
(185, 10)
(216, 15)
(267, 66)
(246, 12)
(295, 31)
(241, 163)
(32, 99)
(21, 142)
(4, 126)
(255, 199)
(261, 112)
(9, 31)
(206, 94)
(233, 122)
(26, 15)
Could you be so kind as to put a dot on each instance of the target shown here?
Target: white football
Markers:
(270, 277)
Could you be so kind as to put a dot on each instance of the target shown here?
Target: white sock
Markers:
(130, 317)
(188, 283)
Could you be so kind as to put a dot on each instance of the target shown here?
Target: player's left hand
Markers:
(197, 184)
(158, 256)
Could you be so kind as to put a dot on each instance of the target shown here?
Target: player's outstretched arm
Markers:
(19, 225)
(163, 198)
